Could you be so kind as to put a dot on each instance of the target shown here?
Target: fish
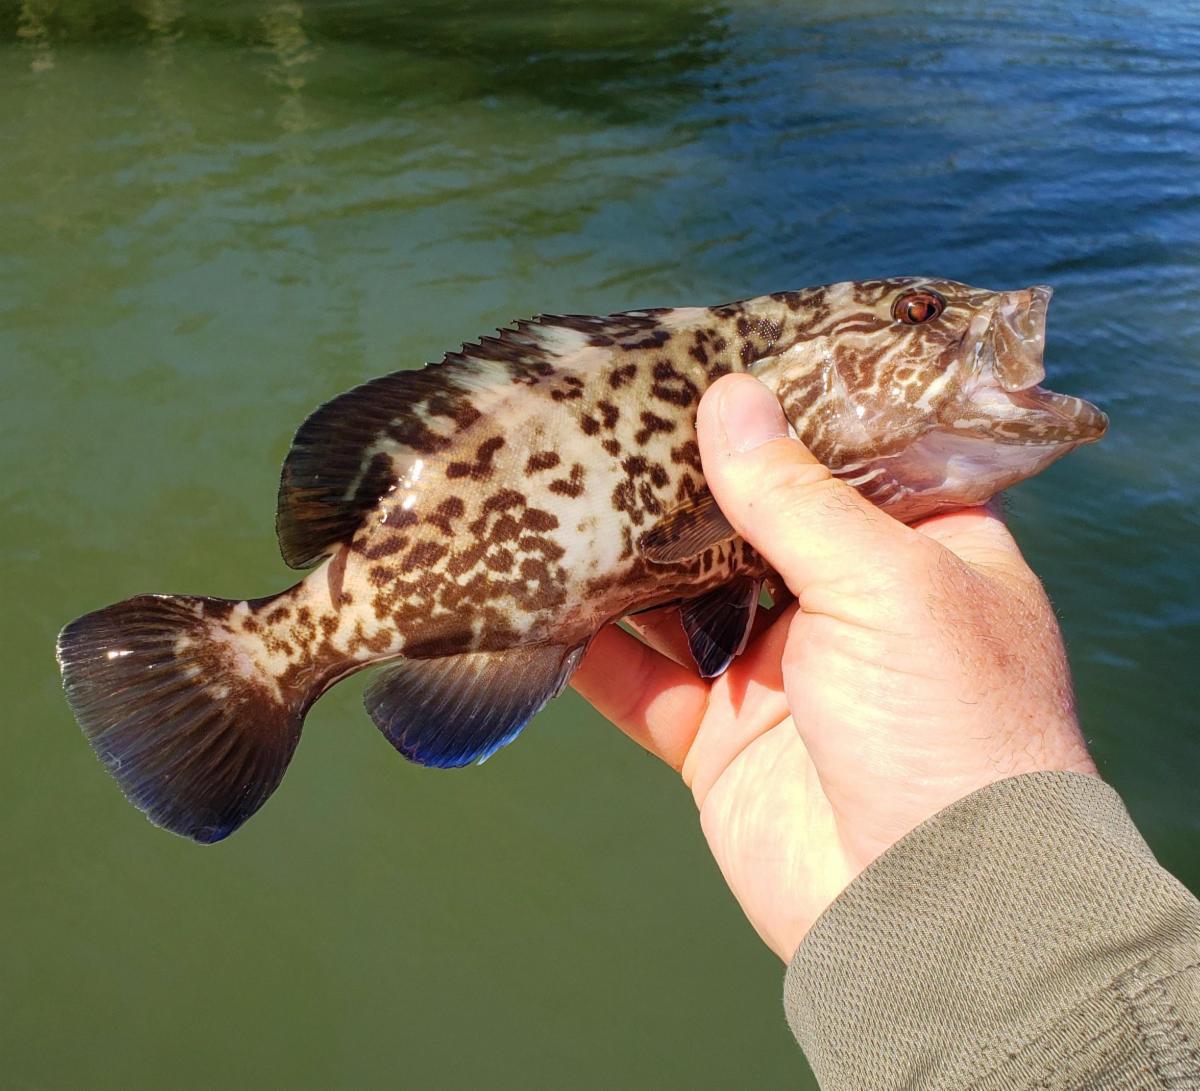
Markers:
(471, 525)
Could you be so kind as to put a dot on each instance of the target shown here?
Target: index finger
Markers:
(655, 701)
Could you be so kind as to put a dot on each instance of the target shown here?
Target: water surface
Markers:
(218, 215)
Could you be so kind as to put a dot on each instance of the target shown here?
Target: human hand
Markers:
(915, 666)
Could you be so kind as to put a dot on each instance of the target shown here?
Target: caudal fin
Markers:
(196, 734)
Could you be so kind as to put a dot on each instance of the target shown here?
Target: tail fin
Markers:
(195, 732)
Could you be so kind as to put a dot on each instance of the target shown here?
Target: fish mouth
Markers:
(1067, 419)
(1007, 372)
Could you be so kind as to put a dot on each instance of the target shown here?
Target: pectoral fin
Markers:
(718, 624)
(461, 709)
(686, 531)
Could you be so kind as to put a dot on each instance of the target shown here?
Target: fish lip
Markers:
(1085, 422)
(1010, 349)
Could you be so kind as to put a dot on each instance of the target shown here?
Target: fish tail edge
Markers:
(194, 731)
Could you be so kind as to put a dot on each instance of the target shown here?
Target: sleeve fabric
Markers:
(1025, 937)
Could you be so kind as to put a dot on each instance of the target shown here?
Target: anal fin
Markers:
(461, 709)
(718, 624)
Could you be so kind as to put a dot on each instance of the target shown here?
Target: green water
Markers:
(217, 215)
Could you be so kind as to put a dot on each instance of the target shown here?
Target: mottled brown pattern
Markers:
(519, 523)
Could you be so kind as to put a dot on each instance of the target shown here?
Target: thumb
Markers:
(811, 527)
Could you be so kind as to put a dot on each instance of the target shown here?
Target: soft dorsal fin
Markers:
(354, 448)
(718, 624)
(461, 709)
(686, 530)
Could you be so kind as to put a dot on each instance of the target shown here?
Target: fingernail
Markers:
(750, 416)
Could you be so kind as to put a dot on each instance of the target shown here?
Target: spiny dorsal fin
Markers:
(353, 449)
(686, 530)
(345, 456)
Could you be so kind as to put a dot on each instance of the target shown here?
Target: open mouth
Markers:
(1009, 352)
(1077, 420)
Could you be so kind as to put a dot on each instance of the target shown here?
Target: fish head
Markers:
(926, 394)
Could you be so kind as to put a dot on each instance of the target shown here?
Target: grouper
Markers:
(474, 523)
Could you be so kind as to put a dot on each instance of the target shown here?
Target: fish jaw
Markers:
(1001, 397)
(943, 470)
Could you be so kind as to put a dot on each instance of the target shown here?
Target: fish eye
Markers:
(914, 308)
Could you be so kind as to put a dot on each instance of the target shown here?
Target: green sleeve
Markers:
(1025, 937)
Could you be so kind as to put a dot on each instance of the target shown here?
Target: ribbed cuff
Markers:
(1018, 936)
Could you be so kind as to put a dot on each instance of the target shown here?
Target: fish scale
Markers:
(478, 521)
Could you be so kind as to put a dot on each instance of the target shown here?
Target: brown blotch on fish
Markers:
(652, 424)
(385, 547)
(505, 529)
(499, 560)
(276, 645)
(650, 503)
(463, 560)
(687, 454)
(380, 575)
(445, 513)
(620, 376)
(539, 520)
(337, 574)
(542, 460)
(546, 547)
(397, 517)
(624, 498)
(571, 486)
(672, 386)
(480, 469)
(423, 555)
(655, 340)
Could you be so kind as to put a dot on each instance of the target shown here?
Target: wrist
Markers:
(986, 927)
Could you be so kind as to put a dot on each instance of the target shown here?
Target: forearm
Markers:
(1024, 937)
